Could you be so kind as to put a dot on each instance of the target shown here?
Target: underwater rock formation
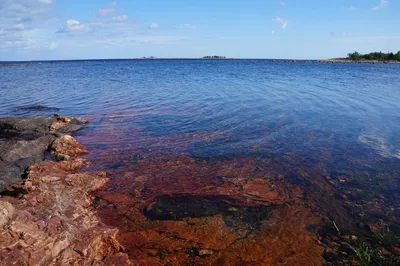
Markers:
(176, 212)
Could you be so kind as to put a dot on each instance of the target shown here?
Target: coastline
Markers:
(48, 218)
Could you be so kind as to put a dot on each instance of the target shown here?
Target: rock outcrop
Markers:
(25, 141)
(48, 218)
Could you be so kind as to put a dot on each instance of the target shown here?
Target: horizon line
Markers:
(163, 58)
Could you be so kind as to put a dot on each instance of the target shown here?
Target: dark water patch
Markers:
(180, 207)
(38, 108)
(35, 110)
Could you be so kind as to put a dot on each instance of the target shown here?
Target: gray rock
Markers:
(25, 141)
(15, 150)
(34, 126)
(17, 155)
(27, 124)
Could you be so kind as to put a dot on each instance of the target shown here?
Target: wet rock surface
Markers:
(48, 219)
(26, 140)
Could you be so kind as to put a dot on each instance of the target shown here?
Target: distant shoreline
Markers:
(331, 61)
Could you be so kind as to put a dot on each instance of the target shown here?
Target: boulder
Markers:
(67, 147)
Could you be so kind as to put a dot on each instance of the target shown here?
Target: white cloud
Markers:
(185, 26)
(29, 29)
(20, 21)
(154, 26)
(382, 4)
(74, 25)
(284, 23)
(273, 32)
(283, 3)
(120, 18)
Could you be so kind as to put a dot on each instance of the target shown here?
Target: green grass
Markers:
(386, 237)
(367, 256)
(363, 254)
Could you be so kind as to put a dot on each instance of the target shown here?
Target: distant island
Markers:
(375, 56)
(214, 57)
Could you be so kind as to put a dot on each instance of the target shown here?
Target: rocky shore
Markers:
(46, 213)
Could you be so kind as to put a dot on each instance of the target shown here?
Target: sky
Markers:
(101, 29)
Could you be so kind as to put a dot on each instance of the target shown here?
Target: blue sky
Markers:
(77, 29)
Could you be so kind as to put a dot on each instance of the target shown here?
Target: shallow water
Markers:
(332, 130)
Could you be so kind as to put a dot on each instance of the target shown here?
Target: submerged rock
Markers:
(38, 108)
(186, 212)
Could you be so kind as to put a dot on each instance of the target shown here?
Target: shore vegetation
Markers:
(375, 56)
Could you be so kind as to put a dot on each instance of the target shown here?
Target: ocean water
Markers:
(252, 102)
(326, 127)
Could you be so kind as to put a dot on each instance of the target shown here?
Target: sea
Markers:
(332, 130)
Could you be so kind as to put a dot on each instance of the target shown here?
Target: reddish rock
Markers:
(6, 212)
(68, 146)
(53, 222)
(65, 124)
(116, 260)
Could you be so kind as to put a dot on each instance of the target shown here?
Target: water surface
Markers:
(332, 130)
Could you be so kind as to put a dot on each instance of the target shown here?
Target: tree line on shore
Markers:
(378, 56)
